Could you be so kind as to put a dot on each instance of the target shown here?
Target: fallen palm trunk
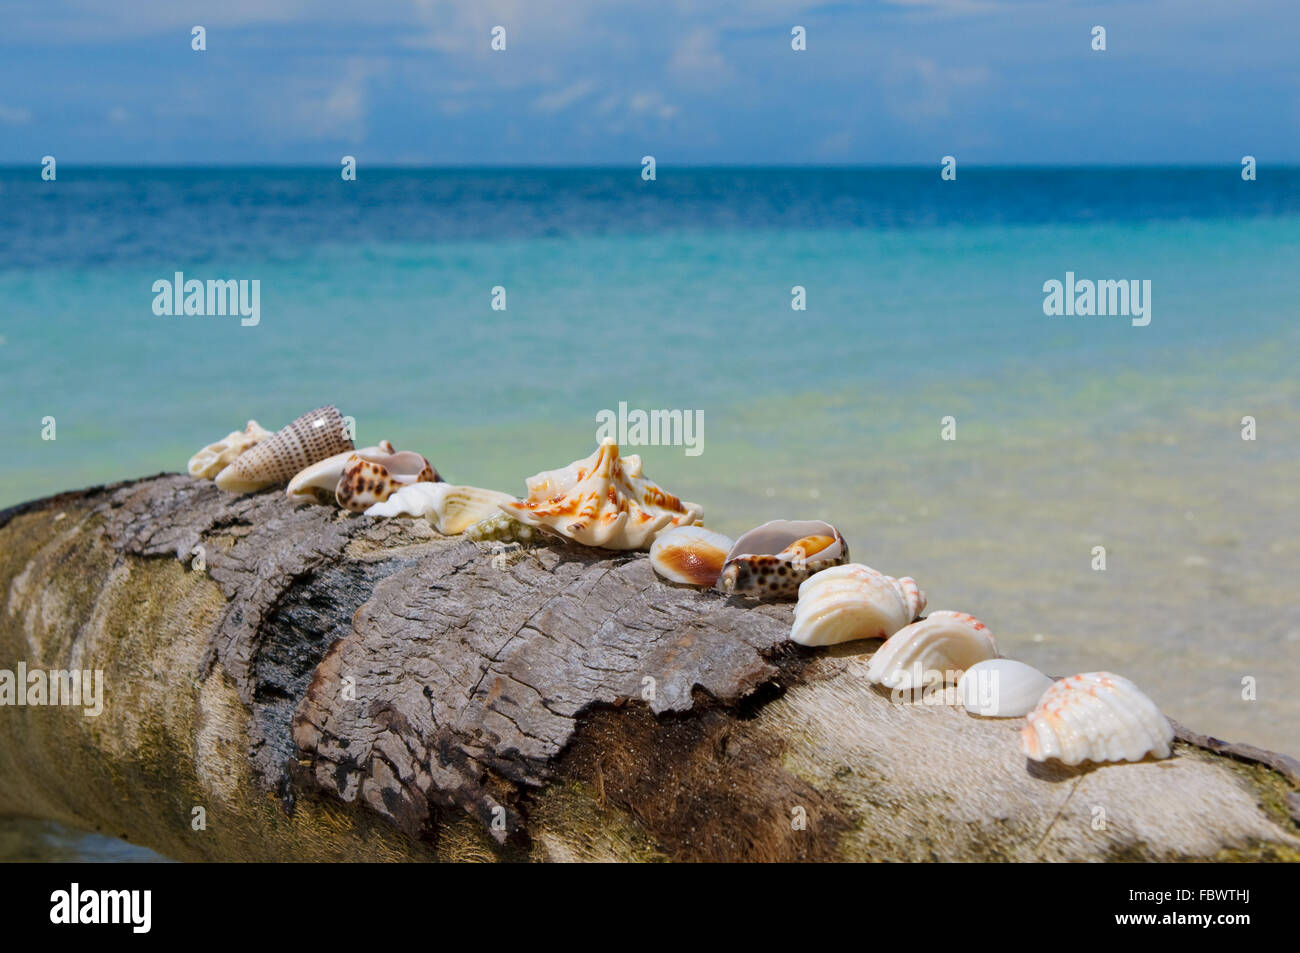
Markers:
(297, 682)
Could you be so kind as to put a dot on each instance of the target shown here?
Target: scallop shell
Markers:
(1001, 688)
(771, 561)
(312, 437)
(1095, 717)
(853, 601)
(451, 509)
(372, 477)
(215, 457)
(602, 501)
(319, 482)
(943, 642)
(690, 554)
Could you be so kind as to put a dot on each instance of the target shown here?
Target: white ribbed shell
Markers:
(1098, 717)
(943, 641)
(853, 601)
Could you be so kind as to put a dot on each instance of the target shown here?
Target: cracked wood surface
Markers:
(330, 685)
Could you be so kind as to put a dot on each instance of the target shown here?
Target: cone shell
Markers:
(311, 438)
(1098, 717)
(944, 642)
(450, 508)
(371, 478)
(319, 482)
(773, 560)
(1001, 688)
(603, 500)
(215, 457)
(691, 555)
(850, 602)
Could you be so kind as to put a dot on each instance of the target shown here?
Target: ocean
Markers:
(924, 301)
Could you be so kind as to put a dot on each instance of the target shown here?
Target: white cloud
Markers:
(561, 99)
(14, 114)
(697, 57)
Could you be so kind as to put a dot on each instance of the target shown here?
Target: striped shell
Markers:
(853, 601)
(311, 438)
(943, 642)
(773, 560)
(1098, 717)
(691, 555)
(371, 478)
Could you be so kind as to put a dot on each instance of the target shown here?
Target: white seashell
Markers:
(500, 528)
(773, 560)
(214, 458)
(1001, 688)
(850, 602)
(1095, 717)
(944, 642)
(451, 509)
(312, 437)
(602, 501)
(319, 482)
(370, 478)
(690, 554)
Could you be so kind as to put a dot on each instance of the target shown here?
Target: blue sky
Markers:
(415, 82)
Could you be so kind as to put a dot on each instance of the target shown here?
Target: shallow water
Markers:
(924, 301)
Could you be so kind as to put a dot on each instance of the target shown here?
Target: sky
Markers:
(415, 82)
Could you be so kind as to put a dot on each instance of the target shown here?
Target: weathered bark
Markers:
(333, 686)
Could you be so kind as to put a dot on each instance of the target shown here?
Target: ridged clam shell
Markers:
(602, 500)
(944, 642)
(371, 478)
(450, 508)
(312, 437)
(1001, 688)
(691, 555)
(319, 482)
(850, 602)
(761, 564)
(1098, 717)
(215, 457)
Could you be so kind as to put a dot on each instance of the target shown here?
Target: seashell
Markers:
(501, 528)
(1001, 688)
(372, 477)
(943, 642)
(319, 482)
(602, 501)
(1095, 717)
(771, 562)
(690, 554)
(312, 437)
(850, 602)
(451, 509)
(214, 458)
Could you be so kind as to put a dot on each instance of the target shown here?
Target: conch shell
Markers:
(691, 555)
(772, 561)
(1095, 717)
(450, 508)
(319, 482)
(370, 478)
(215, 457)
(853, 601)
(312, 437)
(602, 501)
(946, 643)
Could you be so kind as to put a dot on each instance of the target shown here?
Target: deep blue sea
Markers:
(924, 300)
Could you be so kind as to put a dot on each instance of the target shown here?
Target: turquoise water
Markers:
(924, 300)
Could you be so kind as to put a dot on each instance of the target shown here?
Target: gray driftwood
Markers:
(324, 686)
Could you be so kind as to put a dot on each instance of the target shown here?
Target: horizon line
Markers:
(7, 165)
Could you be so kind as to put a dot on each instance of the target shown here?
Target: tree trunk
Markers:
(330, 686)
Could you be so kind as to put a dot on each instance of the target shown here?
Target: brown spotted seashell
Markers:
(771, 561)
(311, 438)
(371, 478)
(691, 555)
